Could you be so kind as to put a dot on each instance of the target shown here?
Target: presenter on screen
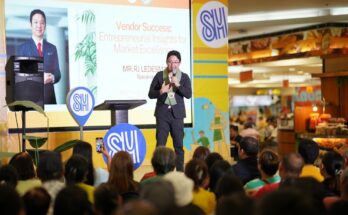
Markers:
(170, 87)
(37, 46)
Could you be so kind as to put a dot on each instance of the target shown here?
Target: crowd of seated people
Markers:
(260, 183)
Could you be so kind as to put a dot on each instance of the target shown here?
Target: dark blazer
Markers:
(51, 64)
(246, 169)
(184, 90)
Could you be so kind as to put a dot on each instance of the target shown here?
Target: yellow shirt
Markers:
(205, 200)
(25, 185)
(312, 171)
(89, 190)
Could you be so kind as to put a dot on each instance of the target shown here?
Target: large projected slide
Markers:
(113, 47)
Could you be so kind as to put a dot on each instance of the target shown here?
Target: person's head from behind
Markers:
(137, 207)
(85, 149)
(236, 204)
(201, 153)
(76, 169)
(344, 184)
(233, 130)
(121, 171)
(227, 185)
(332, 164)
(38, 23)
(161, 194)
(291, 165)
(217, 170)
(163, 160)
(50, 166)
(72, 200)
(309, 150)
(310, 187)
(8, 175)
(173, 60)
(106, 199)
(268, 163)
(212, 158)
(285, 202)
(10, 201)
(183, 187)
(197, 170)
(36, 201)
(248, 147)
(344, 153)
(24, 165)
(249, 124)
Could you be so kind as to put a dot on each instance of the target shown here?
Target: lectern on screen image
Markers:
(114, 48)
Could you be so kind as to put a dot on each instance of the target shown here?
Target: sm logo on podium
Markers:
(126, 137)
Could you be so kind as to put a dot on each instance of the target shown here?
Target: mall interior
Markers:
(266, 128)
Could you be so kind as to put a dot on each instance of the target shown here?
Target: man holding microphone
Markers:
(170, 87)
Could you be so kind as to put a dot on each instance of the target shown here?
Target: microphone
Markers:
(174, 72)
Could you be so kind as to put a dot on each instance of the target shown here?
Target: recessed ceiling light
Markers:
(300, 72)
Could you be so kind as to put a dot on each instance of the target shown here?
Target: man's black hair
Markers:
(175, 53)
(37, 11)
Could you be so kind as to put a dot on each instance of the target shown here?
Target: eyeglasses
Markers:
(174, 62)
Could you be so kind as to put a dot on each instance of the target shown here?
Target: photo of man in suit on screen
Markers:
(37, 46)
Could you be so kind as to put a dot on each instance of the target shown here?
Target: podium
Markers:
(119, 109)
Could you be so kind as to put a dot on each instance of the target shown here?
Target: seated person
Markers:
(246, 168)
(268, 164)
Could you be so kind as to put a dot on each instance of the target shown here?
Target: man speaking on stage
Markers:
(170, 87)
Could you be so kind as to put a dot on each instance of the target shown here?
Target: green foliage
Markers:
(28, 104)
(65, 146)
(86, 50)
(87, 17)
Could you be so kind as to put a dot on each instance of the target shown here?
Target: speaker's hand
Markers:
(48, 78)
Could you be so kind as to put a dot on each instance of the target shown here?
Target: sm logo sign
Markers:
(211, 24)
(126, 137)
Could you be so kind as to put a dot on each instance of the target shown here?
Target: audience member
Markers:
(197, 170)
(95, 176)
(290, 168)
(72, 200)
(235, 139)
(8, 175)
(161, 194)
(212, 158)
(227, 185)
(330, 200)
(309, 150)
(137, 207)
(331, 169)
(310, 187)
(250, 130)
(24, 165)
(344, 153)
(121, 176)
(106, 199)
(286, 202)
(183, 188)
(246, 168)
(163, 161)
(338, 208)
(201, 153)
(236, 204)
(189, 209)
(76, 170)
(10, 201)
(36, 201)
(268, 164)
(217, 170)
(50, 171)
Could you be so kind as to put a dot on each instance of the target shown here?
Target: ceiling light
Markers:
(282, 15)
